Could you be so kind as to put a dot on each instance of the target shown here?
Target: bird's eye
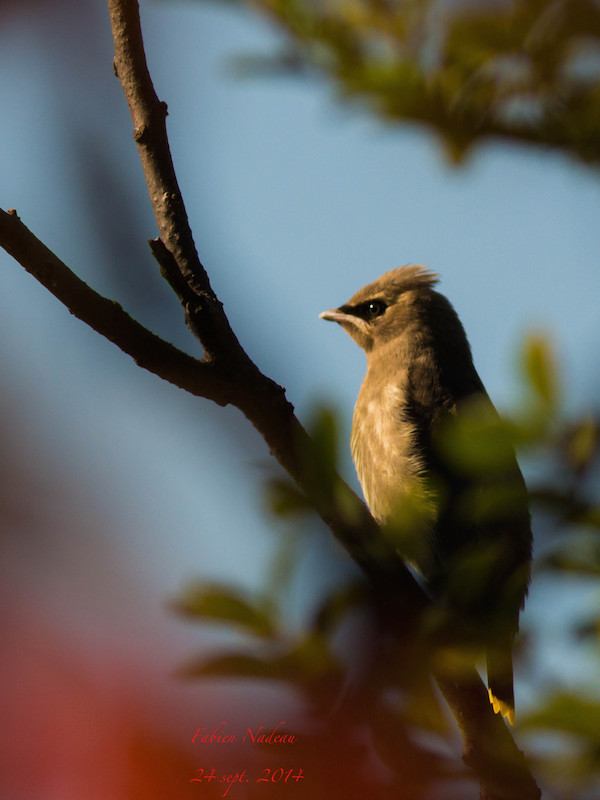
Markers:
(374, 309)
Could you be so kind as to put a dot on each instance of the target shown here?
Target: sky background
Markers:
(120, 488)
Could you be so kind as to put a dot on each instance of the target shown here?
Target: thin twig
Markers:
(204, 312)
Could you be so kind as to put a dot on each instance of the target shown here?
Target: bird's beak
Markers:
(354, 326)
(334, 315)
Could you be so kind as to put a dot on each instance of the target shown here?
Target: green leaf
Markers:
(318, 455)
(323, 432)
(568, 713)
(588, 629)
(284, 563)
(578, 553)
(309, 659)
(307, 664)
(540, 370)
(218, 603)
(477, 442)
(582, 443)
(510, 70)
(240, 665)
(590, 516)
(337, 605)
(285, 498)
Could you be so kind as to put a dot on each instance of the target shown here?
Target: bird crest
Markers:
(396, 281)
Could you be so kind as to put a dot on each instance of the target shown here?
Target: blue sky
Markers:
(296, 201)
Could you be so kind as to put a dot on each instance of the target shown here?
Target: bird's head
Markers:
(379, 312)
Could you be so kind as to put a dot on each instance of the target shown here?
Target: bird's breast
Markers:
(384, 448)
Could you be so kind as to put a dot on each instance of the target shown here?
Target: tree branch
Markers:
(204, 312)
(257, 396)
(107, 317)
(228, 376)
(402, 600)
(488, 747)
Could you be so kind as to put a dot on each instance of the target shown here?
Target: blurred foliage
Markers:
(225, 604)
(319, 455)
(575, 718)
(408, 730)
(520, 70)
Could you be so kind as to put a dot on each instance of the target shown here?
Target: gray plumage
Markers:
(420, 376)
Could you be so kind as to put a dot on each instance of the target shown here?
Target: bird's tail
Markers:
(500, 680)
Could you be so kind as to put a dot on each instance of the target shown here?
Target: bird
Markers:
(419, 446)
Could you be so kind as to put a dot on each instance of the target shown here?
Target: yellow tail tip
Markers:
(502, 708)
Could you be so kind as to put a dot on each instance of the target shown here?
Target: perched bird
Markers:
(416, 446)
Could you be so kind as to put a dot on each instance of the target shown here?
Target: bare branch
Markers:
(488, 747)
(204, 312)
(259, 398)
(108, 318)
